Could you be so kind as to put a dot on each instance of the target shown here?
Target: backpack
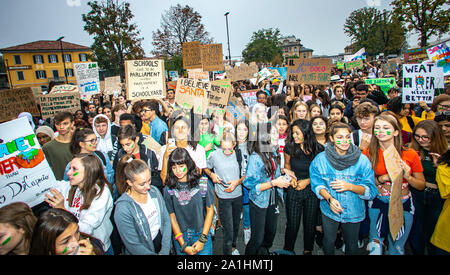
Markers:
(101, 157)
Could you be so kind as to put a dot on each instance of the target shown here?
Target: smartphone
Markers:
(287, 177)
(171, 142)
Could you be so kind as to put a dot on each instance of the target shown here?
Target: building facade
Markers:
(39, 63)
(292, 47)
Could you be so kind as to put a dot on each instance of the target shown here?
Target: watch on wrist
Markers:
(203, 238)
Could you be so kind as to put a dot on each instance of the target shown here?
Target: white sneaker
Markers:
(247, 234)
(235, 252)
(360, 244)
(374, 248)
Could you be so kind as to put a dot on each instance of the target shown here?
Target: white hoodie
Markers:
(105, 144)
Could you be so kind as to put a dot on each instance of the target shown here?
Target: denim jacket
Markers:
(255, 176)
(322, 173)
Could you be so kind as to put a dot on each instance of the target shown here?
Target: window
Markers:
(83, 57)
(17, 60)
(20, 75)
(69, 73)
(38, 59)
(41, 75)
(55, 74)
(53, 58)
(67, 58)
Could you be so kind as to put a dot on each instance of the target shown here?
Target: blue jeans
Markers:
(190, 236)
(395, 247)
(246, 216)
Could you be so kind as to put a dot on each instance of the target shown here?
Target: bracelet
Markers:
(178, 236)
(202, 238)
(183, 247)
(270, 182)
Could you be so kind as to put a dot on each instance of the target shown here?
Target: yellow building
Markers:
(36, 64)
(292, 47)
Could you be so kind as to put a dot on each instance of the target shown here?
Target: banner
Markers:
(361, 54)
(192, 55)
(242, 72)
(51, 104)
(64, 89)
(315, 71)
(356, 64)
(212, 57)
(145, 79)
(384, 83)
(25, 175)
(440, 54)
(15, 101)
(87, 77)
(414, 55)
(112, 85)
(420, 82)
(249, 97)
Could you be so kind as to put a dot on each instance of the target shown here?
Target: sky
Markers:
(319, 24)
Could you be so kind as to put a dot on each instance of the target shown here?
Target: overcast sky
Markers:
(319, 23)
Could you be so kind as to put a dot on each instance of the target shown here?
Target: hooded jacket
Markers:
(134, 229)
(106, 144)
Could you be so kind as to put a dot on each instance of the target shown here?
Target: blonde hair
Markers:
(296, 105)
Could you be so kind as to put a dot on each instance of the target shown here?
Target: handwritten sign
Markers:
(356, 64)
(212, 57)
(192, 93)
(15, 101)
(384, 83)
(414, 55)
(51, 104)
(25, 175)
(315, 71)
(87, 77)
(198, 74)
(420, 82)
(112, 85)
(242, 72)
(145, 79)
(64, 89)
(440, 54)
(192, 55)
(218, 97)
(249, 97)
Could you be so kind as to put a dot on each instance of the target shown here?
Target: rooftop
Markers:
(45, 45)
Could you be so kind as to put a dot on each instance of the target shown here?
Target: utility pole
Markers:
(228, 37)
(62, 55)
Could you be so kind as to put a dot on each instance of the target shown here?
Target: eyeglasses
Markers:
(145, 110)
(444, 113)
(444, 106)
(363, 119)
(424, 138)
(94, 140)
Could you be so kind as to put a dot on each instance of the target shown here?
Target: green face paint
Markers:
(184, 169)
(388, 133)
(65, 250)
(338, 142)
(376, 132)
(75, 174)
(6, 241)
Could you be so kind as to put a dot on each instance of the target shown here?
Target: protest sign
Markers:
(212, 57)
(390, 68)
(315, 71)
(249, 97)
(172, 85)
(264, 73)
(242, 72)
(392, 159)
(198, 74)
(51, 104)
(15, 101)
(414, 55)
(361, 54)
(25, 175)
(192, 93)
(145, 79)
(64, 89)
(420, 82)
(440, 54)
(192, 55)
(356, 64)
(112, 84)
(237, 110)
(173, 75)
(384, 83)
(218, 98)
(87, 77)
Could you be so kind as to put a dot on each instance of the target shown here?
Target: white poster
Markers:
(361, 54)
(145, 79)
(87, 78)
(25, 175)
(420, 82)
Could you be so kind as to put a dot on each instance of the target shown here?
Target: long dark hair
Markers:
(261, 144)
(79, 135)
(193, 136)
(126, 170)
(181, 156)
(310, 145)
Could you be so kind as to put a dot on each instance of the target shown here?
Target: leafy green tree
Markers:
(263, 47)
(426, 17)
(116, 39)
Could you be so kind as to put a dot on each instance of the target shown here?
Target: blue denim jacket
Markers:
(157, 127)
(255, 176)
(321, 173)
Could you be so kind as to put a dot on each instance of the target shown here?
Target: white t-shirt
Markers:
(152, 215)
(198, 156)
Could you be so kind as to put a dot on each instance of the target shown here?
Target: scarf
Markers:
(383, 217)
(342, 162)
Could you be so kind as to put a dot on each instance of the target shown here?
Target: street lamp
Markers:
(62, 55)
(228, 37)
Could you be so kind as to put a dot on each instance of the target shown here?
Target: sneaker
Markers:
(247, 234)
(361, 244)
(374, 248)
(235, 252)
(343, 248)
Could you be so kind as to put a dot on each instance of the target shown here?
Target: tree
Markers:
(377, 32)
(427, 17)
(263, 47)
(116, 39)
(178, 25)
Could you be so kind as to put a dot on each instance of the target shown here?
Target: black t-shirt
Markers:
(299, 162)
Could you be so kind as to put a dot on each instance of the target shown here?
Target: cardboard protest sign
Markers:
(356, 64)
(212, 57)
(218, 98)
(112, 84)
(249, 97)
(237, 110)
(264, 73)
(87, 77)
(15, 101)
(172, 85)
(145, 79)
(392, 159)
(414, 55)
(315, 71)
(192, 94)
(420, 82)
(64, 89)
(440, 54)
(384, 83)
(51, 104)
(198, 74)
(151, 144)
(25, 175)
(242, 72)
(390, 68)
(173, 75)
(192, 55)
